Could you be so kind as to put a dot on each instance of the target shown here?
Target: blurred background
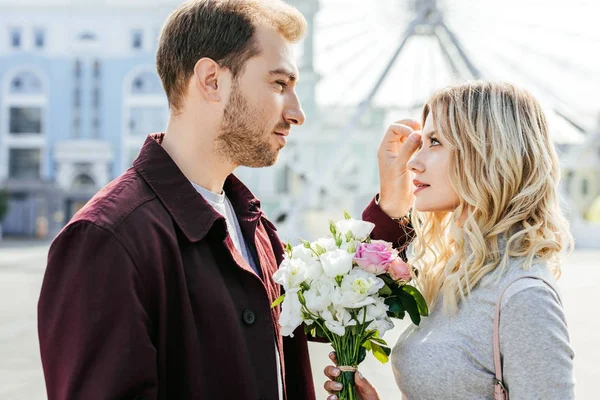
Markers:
(79, 93)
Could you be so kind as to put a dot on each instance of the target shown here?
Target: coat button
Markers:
(249, 316)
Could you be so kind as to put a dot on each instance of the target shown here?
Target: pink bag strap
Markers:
(500, 392)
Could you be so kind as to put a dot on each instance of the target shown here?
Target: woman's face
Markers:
(430, 165)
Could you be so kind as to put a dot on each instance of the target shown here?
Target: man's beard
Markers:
(243, 139)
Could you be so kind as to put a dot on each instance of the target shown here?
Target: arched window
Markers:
(83, 182)
(25, 82)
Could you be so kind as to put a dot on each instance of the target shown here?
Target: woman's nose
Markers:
(414, 164)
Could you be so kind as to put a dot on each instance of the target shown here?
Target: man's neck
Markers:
(193, 152)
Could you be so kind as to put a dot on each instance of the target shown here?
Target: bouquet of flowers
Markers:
(344, 288)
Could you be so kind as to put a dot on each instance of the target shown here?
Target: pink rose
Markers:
(374, 257)
(399, 270)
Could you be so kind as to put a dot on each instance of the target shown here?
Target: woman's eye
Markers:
(434, 142)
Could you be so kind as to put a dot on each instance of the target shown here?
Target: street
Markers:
(21, 378)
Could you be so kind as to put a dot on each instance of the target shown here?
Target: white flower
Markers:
(314, 270)
(318, 297)
(375, 311)
(360, 229)
(302, 253)
(337, 319)
(382, 325)
(326, 243)
(291, 314)
(357, 289)
(336, 262)
(291, 273)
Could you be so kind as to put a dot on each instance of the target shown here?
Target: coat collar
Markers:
(194, 216)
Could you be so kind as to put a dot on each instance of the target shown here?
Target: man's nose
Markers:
(294, 114)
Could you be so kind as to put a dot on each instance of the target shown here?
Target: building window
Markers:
(144, 120)
(97, 69)
(26, 83)
(39, 36)
(147, 83)
(136, 39)
(24, 163)
(15, 38)
(25, 120)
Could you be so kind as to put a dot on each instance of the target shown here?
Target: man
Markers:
(160, 287)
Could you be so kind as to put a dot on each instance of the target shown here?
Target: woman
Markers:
(486, 211)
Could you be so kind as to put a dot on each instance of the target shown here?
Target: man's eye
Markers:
(282, 84)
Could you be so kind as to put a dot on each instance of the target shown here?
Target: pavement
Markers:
(22, 266)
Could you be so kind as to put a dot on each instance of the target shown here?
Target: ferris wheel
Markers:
(393, 54)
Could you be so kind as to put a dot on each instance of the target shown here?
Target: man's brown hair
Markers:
(223, 30)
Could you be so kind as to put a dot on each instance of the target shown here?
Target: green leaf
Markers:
(332, 228)
(367, 345)
(301, 298)
(410, 305)
(362, 354)
(288, 249)
(381, 352)
(321, 249)
(349, 236)
(420, 300)
(347, 215)
(385, 291)
(398, 315)
(278, 301)
(395, 305)
(379, 340)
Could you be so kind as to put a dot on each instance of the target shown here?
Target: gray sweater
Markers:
(451, 357)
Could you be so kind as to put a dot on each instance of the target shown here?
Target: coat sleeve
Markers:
(93, 326)
(298, 374)
(386, 228)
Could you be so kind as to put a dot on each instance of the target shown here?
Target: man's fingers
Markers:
(331, 372)
(333, 357)
(332, 387)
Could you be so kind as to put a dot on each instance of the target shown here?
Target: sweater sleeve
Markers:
(386, 228)
(534, 342)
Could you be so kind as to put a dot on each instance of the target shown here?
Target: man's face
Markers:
(262, 105)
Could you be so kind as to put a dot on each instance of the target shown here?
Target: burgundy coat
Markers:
(145, 296)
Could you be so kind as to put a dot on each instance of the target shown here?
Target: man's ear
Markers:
(207, 79)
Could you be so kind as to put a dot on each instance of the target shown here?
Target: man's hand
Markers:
(400, 142)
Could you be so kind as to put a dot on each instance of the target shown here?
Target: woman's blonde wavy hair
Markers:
(505, 172)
